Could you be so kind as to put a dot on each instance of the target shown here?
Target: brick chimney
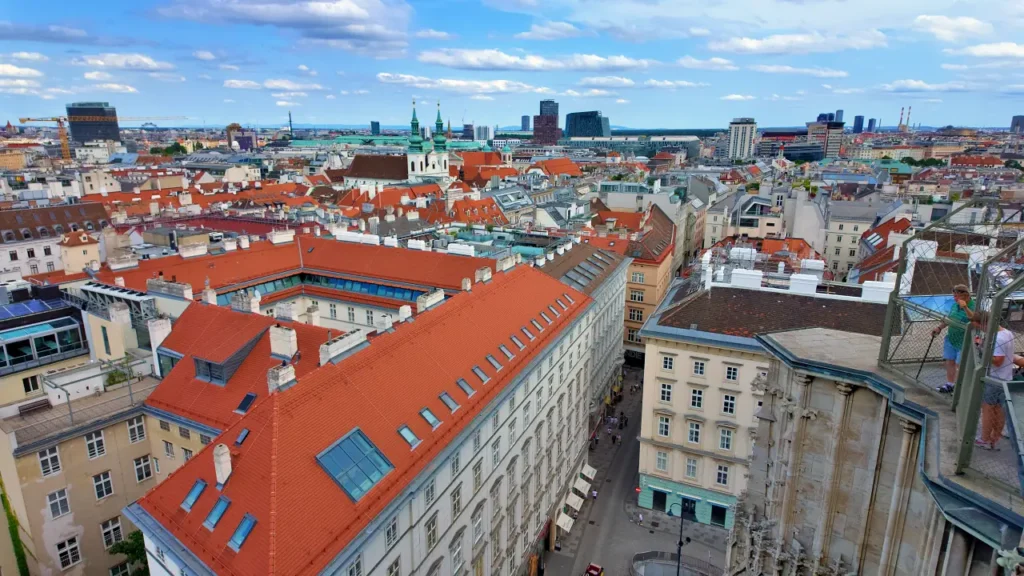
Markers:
(284, 341)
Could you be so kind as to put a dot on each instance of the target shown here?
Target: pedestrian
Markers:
(960, 313)
(626, 421)
(593, 494)
(609, 430)
(641, 521)
(620, 440)
(597, 439)
(993, 418)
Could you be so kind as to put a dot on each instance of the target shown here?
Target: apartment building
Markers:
(31, 236)
(846, 222)
(465, 468)
(702, 379)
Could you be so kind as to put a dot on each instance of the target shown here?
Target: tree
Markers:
(198, 146)
(230, 128)
(134, 547)
(1015, 164)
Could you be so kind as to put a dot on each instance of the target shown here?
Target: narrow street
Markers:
(606, 532)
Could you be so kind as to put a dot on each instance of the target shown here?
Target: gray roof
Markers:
(845, 210)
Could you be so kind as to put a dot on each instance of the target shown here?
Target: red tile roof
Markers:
(557, 167)
(389, 196)
(378, 167)
(976, 161)
(77, 239)
(481, 159)
(878, 237)
(632, 221)
(481, 175)
(275, 470)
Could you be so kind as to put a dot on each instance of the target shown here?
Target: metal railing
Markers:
(691, 566)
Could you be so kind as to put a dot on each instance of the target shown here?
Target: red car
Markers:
(594, 570)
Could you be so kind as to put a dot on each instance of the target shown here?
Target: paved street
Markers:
(606, 532)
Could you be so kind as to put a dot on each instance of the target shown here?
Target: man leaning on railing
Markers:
(993, 418)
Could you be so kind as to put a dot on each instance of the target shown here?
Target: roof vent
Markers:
(467, 284)
(222, 463)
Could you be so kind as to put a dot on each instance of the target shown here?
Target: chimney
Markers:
(119, 281)
(505, 263)
(222, 463)
(313, 315)
(803, 284)
(383, 323)
(210, 296)
(467, 284)
(279, 377)
(404, 313)
(230, 244)
(243, 242)
(539, 261)
(159, 329)
(284, 341)
(483, 274)
(285, 311)
(551, 255)
(337, 346)
(426, 301)
(242, 301)
(119, 314)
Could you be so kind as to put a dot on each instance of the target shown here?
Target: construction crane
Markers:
(62, 131)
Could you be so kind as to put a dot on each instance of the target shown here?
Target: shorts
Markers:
(950, 352)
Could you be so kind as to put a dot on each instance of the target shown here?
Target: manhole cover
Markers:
(654, 524)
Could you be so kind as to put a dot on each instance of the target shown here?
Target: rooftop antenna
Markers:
(291, 130)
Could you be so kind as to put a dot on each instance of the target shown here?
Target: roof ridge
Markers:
(272, 532)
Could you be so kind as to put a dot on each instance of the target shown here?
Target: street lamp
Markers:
(684, 506)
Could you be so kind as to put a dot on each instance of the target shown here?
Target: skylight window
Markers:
(430, 418)
(242, 436)
(355, 463)
(553, 311)
(246, 402)
(569, 298)
(217, 511)
(193, 495)
(545, 317)
(242, 532)
(537, 326)
(481, 374)
(465, 387)
(409, 436)
(518, 342)
(528, 334)
(561, 304)
(449, 402)
(504, 350)
(494, 362)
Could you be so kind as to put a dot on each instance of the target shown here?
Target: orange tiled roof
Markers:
(472, 159)
(615, 244)
(481, 175)
(275, 470)
(632, 221)
(557, 167)
(77, 239)
(391, 196)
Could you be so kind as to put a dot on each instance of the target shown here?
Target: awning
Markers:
(582, 486)
(574, 501)
(589, 471)
(564, 522)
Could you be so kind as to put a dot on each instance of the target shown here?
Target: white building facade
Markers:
(741, 138)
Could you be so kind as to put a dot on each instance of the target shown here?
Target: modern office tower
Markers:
(872, 123)
(545, 130)
(831, 117)
(93, 129)
(1017, 124)
(839, 116)
(374, 128)
(741, 138)
(858, 124)
(468, 132)
(592, 123)
(549, 108)
(525, 127)
(484, 133)
(823, 117)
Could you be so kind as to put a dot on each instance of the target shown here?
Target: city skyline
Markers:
(637, 61)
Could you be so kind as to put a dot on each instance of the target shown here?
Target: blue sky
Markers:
(644, 63)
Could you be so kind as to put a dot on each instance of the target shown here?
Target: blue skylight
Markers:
(481, 374)
(246, 402)
(545, 317)
(193, 495)
(465, 387)
(561, 304)
(355, 464)
(569, 298)
(494, 362)
(449, 402)
(504, 350)
(242, 532)
(430, 418)
(242, 436)
(553, 311)
(538, 326)
(409, 436)
(518, 342)
(216, 512)
(528, 333)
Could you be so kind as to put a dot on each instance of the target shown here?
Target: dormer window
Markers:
(26, 234)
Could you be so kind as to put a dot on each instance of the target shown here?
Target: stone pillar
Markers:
(898, 503)
(957, 553)
(832, 479)
(795, 452)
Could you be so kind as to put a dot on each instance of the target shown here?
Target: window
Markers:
(667, 362)
(636, 315)
(193, 495)
(478, 474)
(186, 454)
(164, 425)
(395, 569)
(333, 310)
(478, 524)
(102, 484)
(456, 552)
(633, 335)
(431, 530)
(636, 295)
(50, 268)
(698, 368)
(47, 251)
(204, 439)
(351, 313)
(106, 340)
(455, 464)
(839, 239)
(430, 418)
(728, 404)
(136, 430)
(696, 399)
(456, 501)
(691, 467)
(14, 255)
(33, 269)
(853, 253)
(477, 439)
(465, 387)
(663, 426)
(168, 449)
(119, 570)
(496, 452)
(243, 407)
(245, 526)
(481, 374)
(49, 461)
(369, 317)
(111, 530)
(94, 445)
(428, 492)
(355, 568)
(216, 513)
(837, 251)
(31, 384)
(722, 477)
(449, 402)
(391, 534)
(518, 342)
(143, 468)
(725, 439)
(835, 265)
(666, 392)
(732, 373)
(58, 502)
(637, 277)
(68, 553)
(661, 461)
(694, 434)
(504, 350)
(855, 228)
(409, 436)
(840, 227)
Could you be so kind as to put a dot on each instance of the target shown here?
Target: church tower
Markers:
(414, 153)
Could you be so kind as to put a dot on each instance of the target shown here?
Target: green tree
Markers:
(198, 146)
(1015, 164)
(134, 547)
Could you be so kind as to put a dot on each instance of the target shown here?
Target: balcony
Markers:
(40, 344)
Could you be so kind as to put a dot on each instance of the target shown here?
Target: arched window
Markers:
(9, 237)
(433, 165)
(44, 232)
(89, 226)
(26, 234)
(412, 166)
(435, 568)
(478, 521)
(58, 229)
(455, 550)
(74, 227)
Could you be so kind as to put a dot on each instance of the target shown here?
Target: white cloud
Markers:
(18, 83)
(229, 101)
(607, 81)
(922, 86)
(848, 91)
(933, 100)
(815, 71)
(995, 50)
(699, 32)
(122, 62)
(286, 95)
(550, 31)
(119, 88)
(432, 34)
(737, 97)
(230, 67)
(58, 91)
(285, 84)
(592, 93)
(462, 86)
(977, 65)
(355, 92)
(167, 76)
(204, 55)
(777, 98)
(622, 101)
(18, 71)
(205, 77)
(29, 56)
(489, 59)
(98, 75)
(242, 84)
(330, 97)
(709, 64)
(949, 29)
(484, 97)
(303, 69)
(286, 103)
(801, 43)
(652, 83)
